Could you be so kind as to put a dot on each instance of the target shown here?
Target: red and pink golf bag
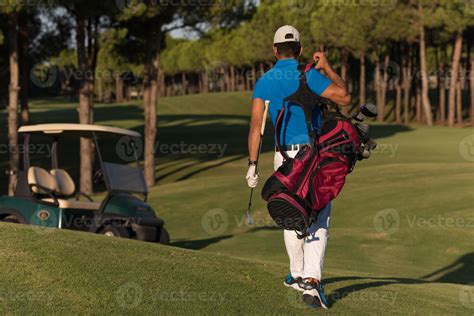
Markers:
(305, 184)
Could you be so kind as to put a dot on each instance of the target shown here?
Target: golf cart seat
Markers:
(45, 186)
(65, 183)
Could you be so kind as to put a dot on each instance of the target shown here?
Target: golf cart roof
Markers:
(75, 128)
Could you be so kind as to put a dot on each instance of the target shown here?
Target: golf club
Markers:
(262, 130)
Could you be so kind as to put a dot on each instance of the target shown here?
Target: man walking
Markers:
(306, 255)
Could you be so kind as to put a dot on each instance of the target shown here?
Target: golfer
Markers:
(306, 255)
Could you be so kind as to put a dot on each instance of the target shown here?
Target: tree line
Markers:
(412, 58)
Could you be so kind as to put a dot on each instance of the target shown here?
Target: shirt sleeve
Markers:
(259, 90)
(317, 82)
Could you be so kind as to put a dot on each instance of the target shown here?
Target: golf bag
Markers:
(305, 184)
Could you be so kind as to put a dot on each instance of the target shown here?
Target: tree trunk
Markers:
(232, 78)
(85, 105)
(24, 66)
(100, 89)
(459, 103)
(454, 78)
(406, 87)
(384, 86)
(151, 77)
(119, 88)
(184, 83)
(13, 91)
(398, 102)
(378, 92)
(254, 76)
(162, 83)
(442, 89)
(205, 79)
(418, 104)
(472, 90)
(362, 80)
(424, 76)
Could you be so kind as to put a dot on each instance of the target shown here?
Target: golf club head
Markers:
(363, 128)
(369, 110)
(249, 218)
(357, 117)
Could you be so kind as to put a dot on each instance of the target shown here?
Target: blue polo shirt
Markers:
(282, 81)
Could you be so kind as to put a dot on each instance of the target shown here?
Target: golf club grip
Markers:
(264, 120)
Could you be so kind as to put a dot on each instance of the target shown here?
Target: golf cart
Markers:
(50, 199)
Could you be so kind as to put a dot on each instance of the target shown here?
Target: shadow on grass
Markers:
(459, 272)
(382, 131)
(200, 243)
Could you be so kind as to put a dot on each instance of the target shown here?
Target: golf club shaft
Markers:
(262, 131)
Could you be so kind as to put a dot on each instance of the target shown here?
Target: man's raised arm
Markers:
(336, 91)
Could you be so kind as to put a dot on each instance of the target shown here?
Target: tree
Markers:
(146, 21)
(12, 10)
(88, 18)
(424, 75)
(455, 16)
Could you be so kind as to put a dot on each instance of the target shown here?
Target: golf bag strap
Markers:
(278, 125)
(305, 98)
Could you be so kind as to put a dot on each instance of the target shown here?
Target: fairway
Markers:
(401, 236)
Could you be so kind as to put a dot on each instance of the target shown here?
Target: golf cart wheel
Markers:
(164, 237)
(11, 219)
(114, 231)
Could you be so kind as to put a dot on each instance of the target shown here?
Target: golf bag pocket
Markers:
(328, 180)
(285, 178)
(289, 211)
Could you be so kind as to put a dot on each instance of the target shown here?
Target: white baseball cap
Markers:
(286, 33)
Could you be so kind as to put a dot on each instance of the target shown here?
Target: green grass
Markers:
(421, 264)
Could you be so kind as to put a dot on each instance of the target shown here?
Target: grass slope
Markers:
(52, 271)
(400, 238)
